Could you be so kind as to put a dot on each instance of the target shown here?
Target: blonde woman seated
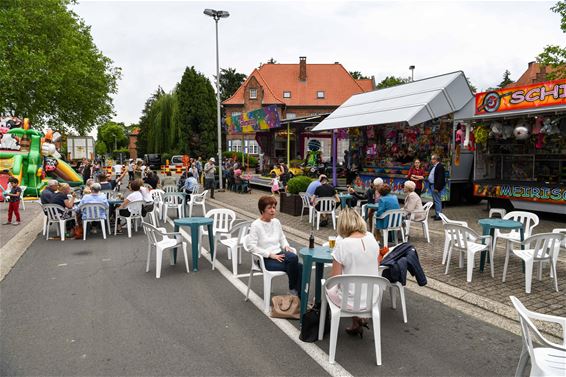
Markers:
(413, 203)
(355, 254)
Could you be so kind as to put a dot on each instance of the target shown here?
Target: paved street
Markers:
(89, 308)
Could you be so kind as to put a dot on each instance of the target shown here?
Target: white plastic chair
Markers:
(258, 265)
(561, 231)
(173, 200)
(93, 212)
(157, 196)
(54, 213)
(135, 209)
(371, 289)
(543, 247)
(424, 222)
(395, 218)
(110, 194)
(326, 206)
(167, 241)
(222, 222)
(548, 360)
(446, 220)
(234, 245)
(500, 211)
(170, 189)
(197, 200)
(529, 221)
(306, 205)
(465, 240)
(22, 203)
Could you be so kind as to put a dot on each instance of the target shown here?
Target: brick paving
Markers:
(542, 298)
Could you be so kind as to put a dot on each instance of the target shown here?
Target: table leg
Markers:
(486, 230)
(194, 245)
(305, 283)
(319, 270)
(211, 241)
(174, 253)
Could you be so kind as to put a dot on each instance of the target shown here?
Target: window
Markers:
(320, 94)
(235, 145)
(252, 147)
(286, 94)
(253, 93)
(291, 115)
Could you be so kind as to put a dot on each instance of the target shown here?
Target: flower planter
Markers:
(291, 204)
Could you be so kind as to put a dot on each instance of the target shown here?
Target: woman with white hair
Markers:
(413, 201)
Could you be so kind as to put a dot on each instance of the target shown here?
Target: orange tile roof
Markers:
(534, 74)
(333, 79)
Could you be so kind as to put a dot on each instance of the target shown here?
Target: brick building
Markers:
(298, 90)
(535, 73)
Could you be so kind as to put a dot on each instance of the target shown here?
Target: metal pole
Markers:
(218, 109)
(288, 145)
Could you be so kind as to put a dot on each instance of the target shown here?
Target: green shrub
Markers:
(252, 161)
(298, 184)
(295, 163)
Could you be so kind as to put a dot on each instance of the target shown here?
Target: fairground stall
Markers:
(520, 136)
(389, 128)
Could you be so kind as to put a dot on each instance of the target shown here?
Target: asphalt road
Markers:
(89, 308)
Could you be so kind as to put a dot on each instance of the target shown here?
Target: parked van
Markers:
(153, 161)
(177, 159)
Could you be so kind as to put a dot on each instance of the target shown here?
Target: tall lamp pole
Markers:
(216, 15)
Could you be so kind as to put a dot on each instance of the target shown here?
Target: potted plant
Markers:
(291, 202)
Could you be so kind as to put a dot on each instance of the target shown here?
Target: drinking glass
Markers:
(331, 241)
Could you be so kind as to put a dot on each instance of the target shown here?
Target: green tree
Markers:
(197, 114)
(357, 75)
(163, 135)
(50, 69)
(506, 79)
(230, 81)
(472, 86)
(145, 125)
(113, 136)
(100, 148)
(390, 81)
(554, 55)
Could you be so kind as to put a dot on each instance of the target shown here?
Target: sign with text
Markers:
(550, 93)
(541, 194)
(256, 120)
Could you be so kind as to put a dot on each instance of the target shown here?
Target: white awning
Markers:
(415, 102)
(468, 112)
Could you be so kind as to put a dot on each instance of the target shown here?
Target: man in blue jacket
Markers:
(436, 182)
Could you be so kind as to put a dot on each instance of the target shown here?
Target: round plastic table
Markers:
(319, 255)
(488, 228)
(195, 223)
(344, 199)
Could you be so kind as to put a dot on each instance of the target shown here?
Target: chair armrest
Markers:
(171, 234)
(553, 319)
(519, 242)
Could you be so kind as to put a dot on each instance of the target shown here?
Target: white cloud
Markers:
(153, 42)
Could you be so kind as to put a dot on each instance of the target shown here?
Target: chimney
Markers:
(303, 68)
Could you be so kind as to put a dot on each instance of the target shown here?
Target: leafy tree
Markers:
(50, 69)
(390, 81)
(100, 148)
(163, 135)
(145, 123)
(357, 75)
(197, 114)
(472, 86)
(230, 81)
(113, 136)
(506, 79)
(553, 55)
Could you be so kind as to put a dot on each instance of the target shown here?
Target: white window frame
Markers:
(286, 94)
(291, 115)
(253, 93)
(320, 94)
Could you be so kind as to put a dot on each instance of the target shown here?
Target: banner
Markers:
(554, 195)
(550, 93)
(253, 121)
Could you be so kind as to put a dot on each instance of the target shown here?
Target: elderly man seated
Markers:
(95, 197)
(48, 193)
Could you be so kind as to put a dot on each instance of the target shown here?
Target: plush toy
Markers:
(496, 129)
(8, 142)
(507, 131)
(521, 132)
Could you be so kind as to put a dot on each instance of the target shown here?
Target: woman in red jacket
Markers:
(416, 174)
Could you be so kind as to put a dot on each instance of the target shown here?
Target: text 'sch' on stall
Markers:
(520, 151)
(389, 128)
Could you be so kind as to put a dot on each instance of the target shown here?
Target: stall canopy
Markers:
(413, 103)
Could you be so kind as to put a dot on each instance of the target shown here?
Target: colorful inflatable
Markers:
(32, 158)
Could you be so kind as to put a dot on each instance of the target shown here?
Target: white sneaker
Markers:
(16, 223)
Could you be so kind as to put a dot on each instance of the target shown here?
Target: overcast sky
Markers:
(153, 41)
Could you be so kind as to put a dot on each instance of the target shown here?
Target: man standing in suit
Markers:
(437, 183)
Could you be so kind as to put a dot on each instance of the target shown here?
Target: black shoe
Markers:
(323, 223)
(437, 218)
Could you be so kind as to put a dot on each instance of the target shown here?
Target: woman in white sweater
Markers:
(413, 203)
(355, 254)
(267, 238)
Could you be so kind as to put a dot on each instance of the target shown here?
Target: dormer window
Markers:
(320, 94)
(253, 93)
(286, 94)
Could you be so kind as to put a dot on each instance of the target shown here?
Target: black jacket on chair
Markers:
(439, 179)
(400, 260)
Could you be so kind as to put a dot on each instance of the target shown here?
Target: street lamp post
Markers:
(216, 15)
(412, 68)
